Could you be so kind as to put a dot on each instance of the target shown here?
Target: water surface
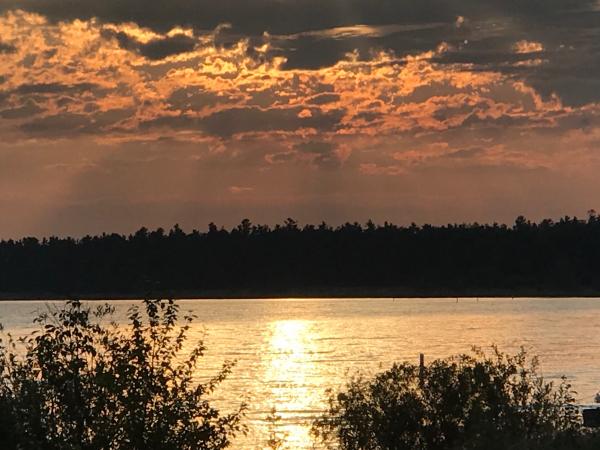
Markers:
(290, 351)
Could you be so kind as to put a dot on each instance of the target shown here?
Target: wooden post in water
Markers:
(421, 369)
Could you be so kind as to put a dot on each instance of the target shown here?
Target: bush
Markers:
(7, 416)
(464, 402)
(80, 384)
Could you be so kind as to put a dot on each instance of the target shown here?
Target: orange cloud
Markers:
(528, 47)
(76, 78)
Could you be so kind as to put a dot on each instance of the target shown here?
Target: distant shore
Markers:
(305, 293)
(545, 259)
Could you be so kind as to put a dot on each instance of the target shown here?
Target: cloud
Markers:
(156, 48)
(287, 17)
(279, 158)
(323, 99)
(466, 153)
(550, 44)
(388, 89)
(58, 125)
(525, 46)
(7, 48)
(54, 88)
(375, 169)
(29, 109)
(72, 125)
(233, 121)
(314, 147)
(195, 98)
(237, 190)
(325, 155)
(222, 93)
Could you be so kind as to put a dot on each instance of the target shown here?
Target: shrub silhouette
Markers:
(83, 385)
(464, 402)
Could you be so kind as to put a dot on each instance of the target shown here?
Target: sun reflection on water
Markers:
(290, 372)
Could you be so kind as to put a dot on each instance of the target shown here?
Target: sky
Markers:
(117, 114)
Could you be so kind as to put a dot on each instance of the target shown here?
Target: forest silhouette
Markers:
(528, 258)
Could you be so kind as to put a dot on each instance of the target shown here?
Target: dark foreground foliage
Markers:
(83, 385)
(465, 402)
(553, 258)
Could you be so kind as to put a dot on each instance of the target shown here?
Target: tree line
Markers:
(527, 258)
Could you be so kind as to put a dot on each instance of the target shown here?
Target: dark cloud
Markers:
(54, 88)
(234, 121)
(315, 53)
(315, 147)
(491, 59)
(324, 153)
(320, 154)
(172, 122)
(154, 49)
(316, 50)
(368, 116)
(443, 114)
(58, 125)
(570, 73)
(266, 98)
(7, 48)
(29, 109)
(244, 120)
(195, 99)
(172, 45)
(50, 53)
(73, 125)
(567, 64)
(292, 16)
(423, 93)
(504, 122)
(323, 99)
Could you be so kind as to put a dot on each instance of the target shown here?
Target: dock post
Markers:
(421, 369)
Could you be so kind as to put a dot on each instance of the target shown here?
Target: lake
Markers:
(290, 351)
